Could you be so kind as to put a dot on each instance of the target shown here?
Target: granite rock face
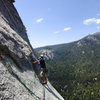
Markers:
(19, 79)
(13, 37)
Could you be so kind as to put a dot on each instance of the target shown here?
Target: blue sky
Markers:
(50, 22)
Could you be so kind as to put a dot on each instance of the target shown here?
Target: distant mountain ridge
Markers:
(75, 68)
(49, 52)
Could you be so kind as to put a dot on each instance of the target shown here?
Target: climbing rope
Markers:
(15, 75)
(43, 93)
(10, 70)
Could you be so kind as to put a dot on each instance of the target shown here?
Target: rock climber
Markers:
(43, 69)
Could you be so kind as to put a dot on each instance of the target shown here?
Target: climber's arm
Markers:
(36, 62)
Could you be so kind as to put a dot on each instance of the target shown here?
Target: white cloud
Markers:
(67, 29)
(91, 20)
(39, 20)
(57, 32)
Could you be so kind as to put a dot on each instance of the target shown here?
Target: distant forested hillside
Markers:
(74, 68)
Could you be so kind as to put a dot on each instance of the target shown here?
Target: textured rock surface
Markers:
(48, 54)
(13, 37)
(18, 80)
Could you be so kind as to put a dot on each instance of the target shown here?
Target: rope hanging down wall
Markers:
(10, 70)
(43, 93)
